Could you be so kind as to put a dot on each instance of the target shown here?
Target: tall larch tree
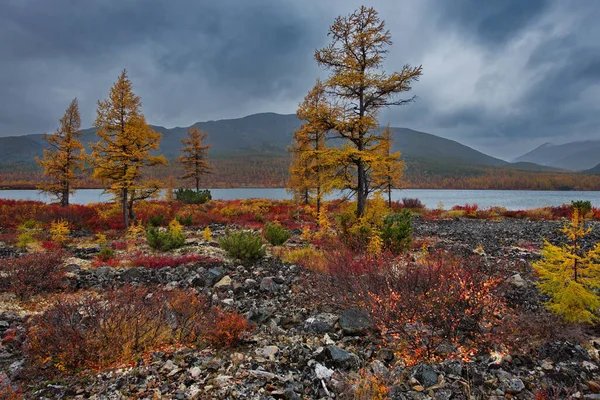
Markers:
(388, 170)
(359, 85)
(124, 146)
(64, 157)
(311, 171)
(195, 158)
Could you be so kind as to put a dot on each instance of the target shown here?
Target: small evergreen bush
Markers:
(276, 234)
(185, 221)
(396, 232)
(172, 238)
(190, 196)
(242, 245)
(584, 206)
(156, 220)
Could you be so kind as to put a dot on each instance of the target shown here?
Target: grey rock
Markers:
(342, 358)
(354, 321)
(517, 281)
(514, 386)
(426, 375)
(270, 351)
(269, 285)
(213, 275)
(322, 323)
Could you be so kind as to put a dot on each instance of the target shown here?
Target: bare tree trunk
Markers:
(124, 205)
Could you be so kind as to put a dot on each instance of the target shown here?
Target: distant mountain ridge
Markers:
(269, 134)
(573, 156)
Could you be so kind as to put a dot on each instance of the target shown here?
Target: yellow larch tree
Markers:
(570, 275)
(123, 150)
(311, 171)
(388, 170)
(359, 86)
(64, 157)
(195, 158)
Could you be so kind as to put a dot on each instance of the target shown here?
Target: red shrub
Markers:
(562, 211)
(99, 330)
(32, 274)
(161, 261)
(50, 245)
(442, 298)
(228, 329)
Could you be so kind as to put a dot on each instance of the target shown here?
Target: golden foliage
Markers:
(570, 275)
(64, 157)
(359, 89)
(312, 169)
(194, 158)
(207, 234)
(59, 230)
(126, 141)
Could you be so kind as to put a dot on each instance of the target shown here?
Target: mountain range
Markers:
(268, 134)
(574, 156)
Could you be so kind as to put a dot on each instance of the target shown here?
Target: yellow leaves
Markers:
(59, 230)
(126, 141)
(207, 234)
(570, 275)
(64, 157)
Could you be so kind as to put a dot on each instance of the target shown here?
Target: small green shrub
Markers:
(172, 238)
(156, 220)
(275, 233)
(190, 196)
(242, 245)
(584, 206)
(396, 231)
(185, 221)
(105, 253)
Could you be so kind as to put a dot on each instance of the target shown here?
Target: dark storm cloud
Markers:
(498, 75)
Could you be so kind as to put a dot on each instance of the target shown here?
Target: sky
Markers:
(501, 76)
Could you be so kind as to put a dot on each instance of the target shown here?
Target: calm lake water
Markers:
(510, 199)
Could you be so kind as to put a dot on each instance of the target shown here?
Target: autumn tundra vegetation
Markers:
(371, 298)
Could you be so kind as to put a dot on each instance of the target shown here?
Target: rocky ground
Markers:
(302, 349)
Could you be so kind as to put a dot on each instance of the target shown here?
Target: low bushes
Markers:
(275, 234)
(162, 261)
(169, 239)
(419, 305)
(243, 246)
(95, 331)
(33, 273)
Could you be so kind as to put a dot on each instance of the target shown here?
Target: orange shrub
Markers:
(228, 329)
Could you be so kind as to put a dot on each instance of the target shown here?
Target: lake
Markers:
(510, 199)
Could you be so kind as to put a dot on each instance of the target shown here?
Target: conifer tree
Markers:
(571, 276)
(64, 157)
(311, 171)
(388, 170)
(123, 150)
(195, 158)
(359, 86)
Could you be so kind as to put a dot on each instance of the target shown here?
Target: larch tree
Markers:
(361, 88)
(311, 171)
(388, 170)
(570, 275)
(195, 158)
(64, 157)
(123, 150)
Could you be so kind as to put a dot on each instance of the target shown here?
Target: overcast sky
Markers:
(502, 76)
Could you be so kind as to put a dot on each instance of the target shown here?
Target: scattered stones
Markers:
(224, 282)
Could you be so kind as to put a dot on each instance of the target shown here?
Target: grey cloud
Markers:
(495, 72)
